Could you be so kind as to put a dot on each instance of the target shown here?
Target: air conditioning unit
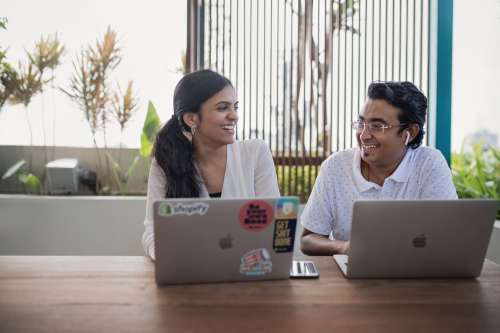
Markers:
(62, 176)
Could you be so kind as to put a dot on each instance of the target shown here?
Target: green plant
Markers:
(121, 176)
(29, 180)
(152, 125)
(8, 76)
(150, 128)
(89, 89)
(476, 174)
(296, 180)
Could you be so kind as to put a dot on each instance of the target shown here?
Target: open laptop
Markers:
(216, 240)
(418, 238)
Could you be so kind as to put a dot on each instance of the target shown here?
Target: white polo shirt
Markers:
(422, 174)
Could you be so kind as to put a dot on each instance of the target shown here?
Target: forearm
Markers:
(317, 245)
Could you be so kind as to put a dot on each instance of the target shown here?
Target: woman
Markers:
(196, 155)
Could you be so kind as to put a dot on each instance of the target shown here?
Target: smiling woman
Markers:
(196, 155)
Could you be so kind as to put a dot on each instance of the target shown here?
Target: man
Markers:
(388, 164)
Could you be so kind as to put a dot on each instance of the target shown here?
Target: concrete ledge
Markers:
(92, 225)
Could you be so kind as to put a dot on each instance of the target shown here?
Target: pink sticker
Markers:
(256, 215)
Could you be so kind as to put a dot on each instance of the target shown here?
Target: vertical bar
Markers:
(209, 33)
(237, 60)
(430, 116)
(277, 153)
(351, 79)
(217, 35)
(345, 74)
(392, 40)
(386, 42)
(257, 71)
(250, 90)
(365, 48)
(379, 38)
(270, 72)
(332, 32)
(223, 36)
(406, 41)
(413, 40)
(244, 69)
(443, 77)
(400, 60)
(284, 97)
(290, 116)
(230, 39)
(264, 76)
(308, 22)
(339, 24)
(373, 40)
(421, 43)
(359, 60)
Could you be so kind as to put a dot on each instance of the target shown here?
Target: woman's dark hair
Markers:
(173, 152)
(406, 97)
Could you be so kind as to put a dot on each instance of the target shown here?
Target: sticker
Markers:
(256, 262)
(284, 234)
(169, 209)
(256, 215)
(287, 208)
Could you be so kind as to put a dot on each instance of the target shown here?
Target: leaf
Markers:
(146, 146)
(30, 180)
(151, 127)
(13, 169)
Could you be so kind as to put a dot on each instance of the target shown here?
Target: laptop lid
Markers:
(419, 238)
(216, 240)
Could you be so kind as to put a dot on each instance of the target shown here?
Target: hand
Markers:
(346, 247)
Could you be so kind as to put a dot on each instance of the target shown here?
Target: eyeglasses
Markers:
(372, 126)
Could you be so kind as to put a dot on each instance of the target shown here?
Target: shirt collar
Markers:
(402, 172)
(362, 184)
(400, 175)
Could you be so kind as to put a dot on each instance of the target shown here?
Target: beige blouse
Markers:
(249, 173)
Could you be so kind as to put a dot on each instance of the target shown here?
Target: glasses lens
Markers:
(358, 125)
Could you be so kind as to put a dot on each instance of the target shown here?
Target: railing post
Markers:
(195, 35)
(441, 77)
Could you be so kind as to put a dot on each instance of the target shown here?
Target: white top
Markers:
(422, 174)
(249, 173)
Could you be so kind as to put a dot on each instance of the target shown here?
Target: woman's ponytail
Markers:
(174, 154)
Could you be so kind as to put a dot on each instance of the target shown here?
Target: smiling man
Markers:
(389, 163)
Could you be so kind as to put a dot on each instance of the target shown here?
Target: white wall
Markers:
(35, 225)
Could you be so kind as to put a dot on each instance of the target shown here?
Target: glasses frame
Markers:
(366, 126)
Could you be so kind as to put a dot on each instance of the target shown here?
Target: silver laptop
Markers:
(216, 240)
(418, 238)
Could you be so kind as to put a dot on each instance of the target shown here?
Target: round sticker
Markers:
(256, 215)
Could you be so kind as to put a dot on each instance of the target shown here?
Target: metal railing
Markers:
(301, 68)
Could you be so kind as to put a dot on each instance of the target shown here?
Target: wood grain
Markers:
(118, 294)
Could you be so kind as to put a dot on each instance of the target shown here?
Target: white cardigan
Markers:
(249, 173)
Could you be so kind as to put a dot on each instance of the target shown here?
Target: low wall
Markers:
(36, 225)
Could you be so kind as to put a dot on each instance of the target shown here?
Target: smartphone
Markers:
(303, 269)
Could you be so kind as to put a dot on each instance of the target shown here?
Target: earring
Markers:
(407, 138)
(193, 130)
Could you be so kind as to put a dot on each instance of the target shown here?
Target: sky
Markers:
(152, 35)
(476, 69)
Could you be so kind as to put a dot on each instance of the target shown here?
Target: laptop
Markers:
(418, 238)
(221, 240)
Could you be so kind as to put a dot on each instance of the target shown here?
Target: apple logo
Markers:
(420, 241)
(226, 242)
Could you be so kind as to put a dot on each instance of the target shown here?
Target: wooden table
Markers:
(118, 294)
